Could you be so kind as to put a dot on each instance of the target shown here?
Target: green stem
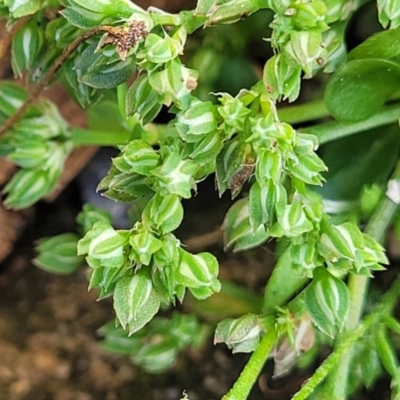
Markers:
(303, 112)
(383, 308)
(245, 382)
(81, 137)
(330, 131)
(358, 287)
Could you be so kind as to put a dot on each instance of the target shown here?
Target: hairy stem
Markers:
(245, 382)
(358, 285)
(340, 360)
(382, 309)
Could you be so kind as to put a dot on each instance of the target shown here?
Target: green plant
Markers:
(325, 261)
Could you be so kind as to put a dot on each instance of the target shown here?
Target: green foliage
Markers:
(124, 65)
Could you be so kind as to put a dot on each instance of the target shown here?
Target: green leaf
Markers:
(269, 166)
(358, 160)
(135, 301)
(360, 88)
(82, 18)
(159, 356)
(386, 351)
(115, 8)
(283, 283)
(366, 364)
(228, 11)
(293, 220)
(160, 50)
(207, 149)
(305, 48)
(20, 8)
(335, 243)
(383, 45)
(310, 15)
(58, 254)
(110, 75)
(105, 279)
(327, 301)
(234, 113)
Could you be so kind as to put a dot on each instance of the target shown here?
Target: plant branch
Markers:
(245, 382)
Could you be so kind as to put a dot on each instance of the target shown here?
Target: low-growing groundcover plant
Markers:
(123, 65)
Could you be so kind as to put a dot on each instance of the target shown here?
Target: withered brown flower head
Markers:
(125, 37)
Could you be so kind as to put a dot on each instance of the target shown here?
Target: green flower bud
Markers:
(174, 83)
(198, 273)
(389, 13)
(143, 100)
(235, 164)
(309, 15)
(327, 301)
(197, 121)
(242, 335)
(104, 246)
(30, 154)
(143, 246)
(58, 254)
(160, 50)
(175, 176)
(135, 301)
(26, 187)
(282, 78)
(165, 213)
(137, 156)
(307, 50)
(234, 113)
(238, 231)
